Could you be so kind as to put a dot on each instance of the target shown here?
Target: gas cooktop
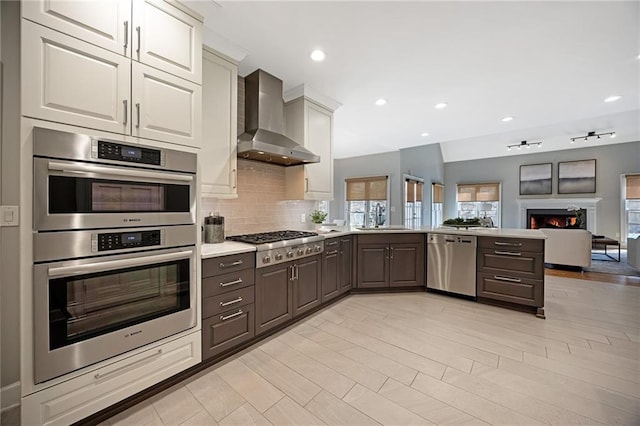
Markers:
(271, 237)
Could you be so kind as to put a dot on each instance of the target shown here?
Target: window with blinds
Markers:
(632, 206)
(481, 200)
(413, 202)
(366, 201)
(437, 204)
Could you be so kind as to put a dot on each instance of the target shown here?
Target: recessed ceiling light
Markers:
(441, 105)
(506, 119)
(424, 135)
(381, 102)
(260, 152)
(284, 157)
(613, 98)
(318, 55)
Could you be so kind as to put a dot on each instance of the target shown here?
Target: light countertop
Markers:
(233, 247)
(225, 249)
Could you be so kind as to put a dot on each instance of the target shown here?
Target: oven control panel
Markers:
(286, 254)
(126, 240)
(132, 154)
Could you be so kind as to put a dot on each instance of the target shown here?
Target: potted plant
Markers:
(318, 216)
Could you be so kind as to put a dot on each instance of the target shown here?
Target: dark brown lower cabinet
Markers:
(274, 298)
(226, 330)
(331, 271)
(306, 285)
(345, 264)
(510, 271)
(390, 260)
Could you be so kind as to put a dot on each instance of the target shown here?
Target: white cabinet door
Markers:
(104, 23)
(318, 131)
(70, 81)
(218, 155)
(167, 38)
(165, 107)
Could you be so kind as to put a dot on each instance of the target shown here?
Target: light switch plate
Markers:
(9, 216)
(303, 218)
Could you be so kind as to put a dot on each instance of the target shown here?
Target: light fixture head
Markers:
(318, 55)
(592, 134)
(526, 144)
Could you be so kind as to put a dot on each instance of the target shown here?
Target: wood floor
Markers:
(594, 276)
(421, 358)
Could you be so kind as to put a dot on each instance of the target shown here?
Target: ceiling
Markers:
(548, 64)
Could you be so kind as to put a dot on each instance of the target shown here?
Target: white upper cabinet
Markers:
(218, 154)
(167, 38)
(165, 107)
(69, 81)
(154, 32)
(104, 23)
(311, 125)
(76, 67)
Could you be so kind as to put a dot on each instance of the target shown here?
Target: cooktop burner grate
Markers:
(270, 237)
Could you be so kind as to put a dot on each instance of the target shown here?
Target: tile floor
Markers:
(418, 358)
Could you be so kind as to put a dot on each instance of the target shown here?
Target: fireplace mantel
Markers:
(590, 204)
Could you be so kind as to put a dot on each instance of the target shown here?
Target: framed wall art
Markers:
(577, 177)
(535, 179)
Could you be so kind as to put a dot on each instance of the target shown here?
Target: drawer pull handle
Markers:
(232, 264)
(511, 280)
(227, 284)
(329, 253)
(99, 376)
(224, 318)
(231, 302)
(500, 243)
(508, 253)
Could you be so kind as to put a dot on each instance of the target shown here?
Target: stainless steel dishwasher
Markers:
(451, 263)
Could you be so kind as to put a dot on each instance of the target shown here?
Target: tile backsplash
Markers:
(261, 205)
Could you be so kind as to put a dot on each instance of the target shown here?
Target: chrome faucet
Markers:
(378, 216)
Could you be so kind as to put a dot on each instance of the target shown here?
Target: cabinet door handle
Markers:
(231, 302)
(224, 318)
(138, 114)
(134, 364)
(508, 279)
(138, 46)
(291, 273)
(508, 253)
(126, 35)
(235, 178)
(306, 184)
(227, 284)
(297, 272)
(391, 251)
(329, 253)
(500, 243)
(126, 111)
(232, 264)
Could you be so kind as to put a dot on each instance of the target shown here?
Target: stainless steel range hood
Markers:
(264, 139)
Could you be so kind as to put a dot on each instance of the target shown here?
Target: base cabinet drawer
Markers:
(512, 289)
(522, 263)
(226, 330)
(79, 397)
(220, 284)
(502, 243)
(224, 302)
(225, 264)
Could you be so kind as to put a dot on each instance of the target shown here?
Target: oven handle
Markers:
(109, 265)
(112, 171)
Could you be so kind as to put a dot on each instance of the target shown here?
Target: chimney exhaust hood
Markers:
(264, 120)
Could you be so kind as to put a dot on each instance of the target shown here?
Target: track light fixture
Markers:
(524, 144)
(593, 135)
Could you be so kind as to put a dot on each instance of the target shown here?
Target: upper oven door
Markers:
(84, 195)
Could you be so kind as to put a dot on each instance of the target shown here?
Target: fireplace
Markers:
(555, 218)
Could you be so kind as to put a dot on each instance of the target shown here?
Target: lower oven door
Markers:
(89, 310)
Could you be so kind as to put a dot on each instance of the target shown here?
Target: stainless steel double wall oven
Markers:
(114, 248)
